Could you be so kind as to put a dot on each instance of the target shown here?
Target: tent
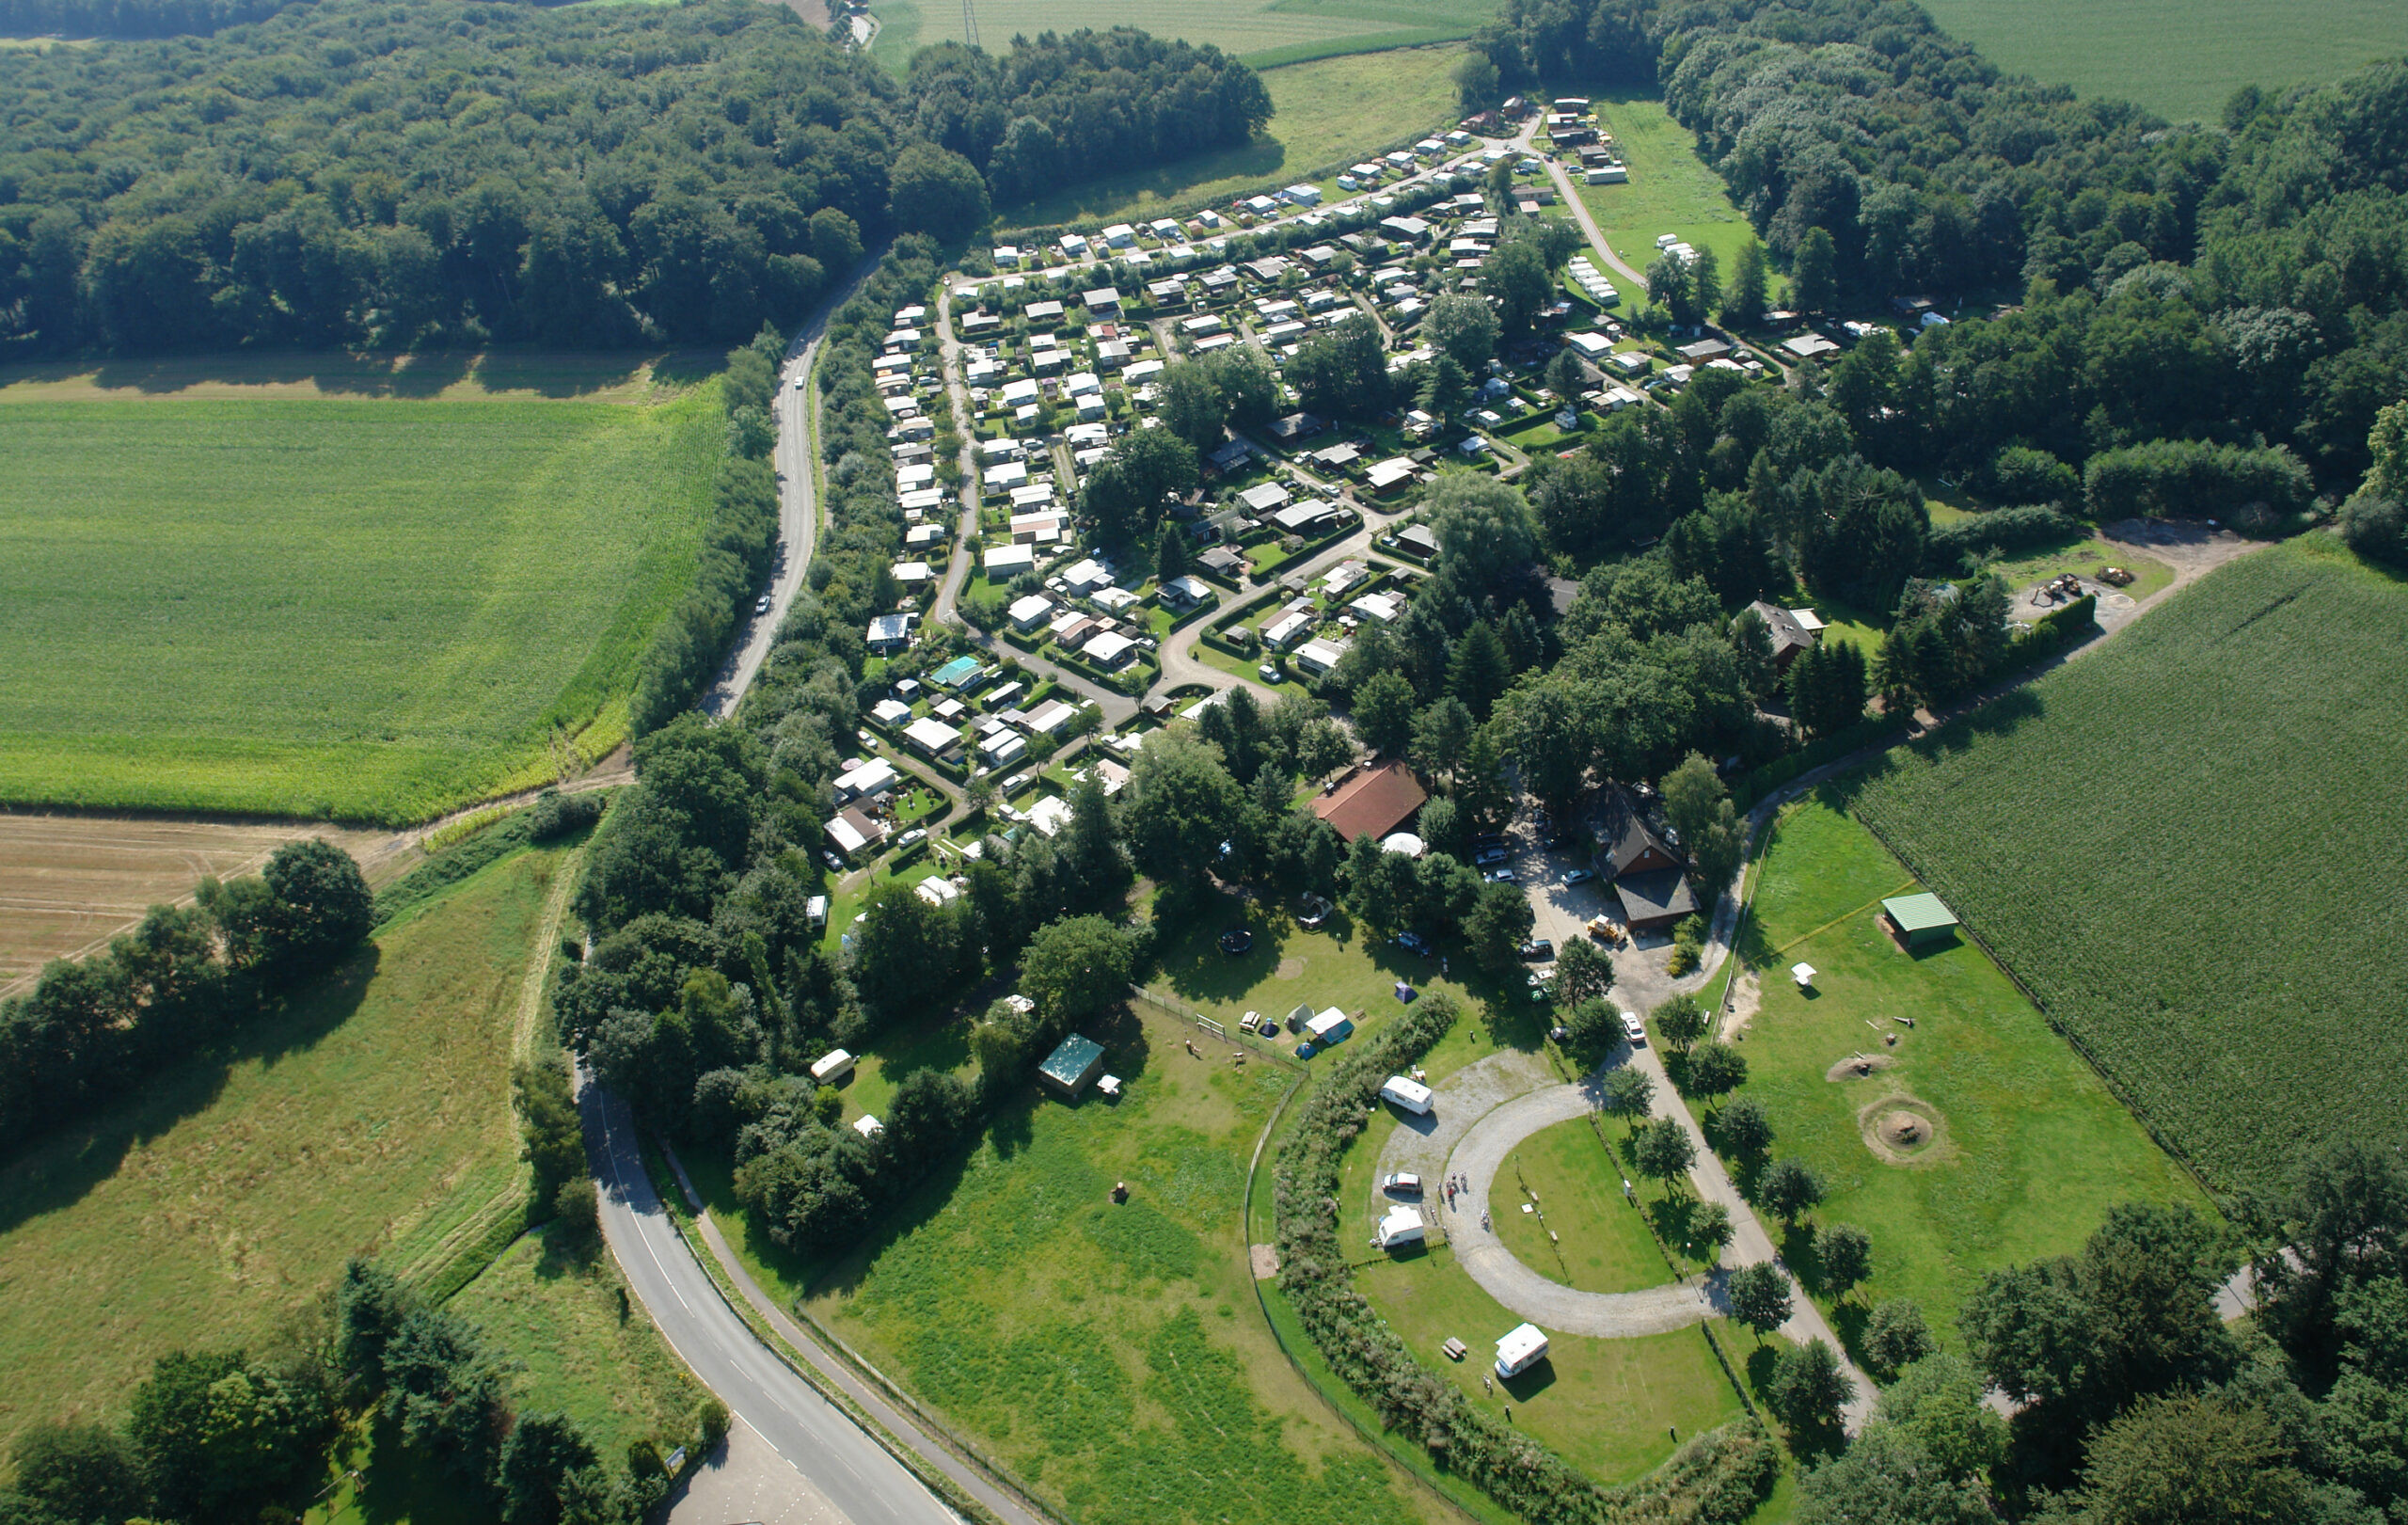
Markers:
(1803, 974)
(1331, 1026)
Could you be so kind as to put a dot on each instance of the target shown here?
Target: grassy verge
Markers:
(1670, 190)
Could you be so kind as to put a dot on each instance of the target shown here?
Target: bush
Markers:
(557, 815)
(2020, 474)
(2376, 527)
(1949, 550)
(2186, 479)
(577, 1214)
(714, 1421)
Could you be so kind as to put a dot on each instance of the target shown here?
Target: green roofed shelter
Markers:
(1919, 919)
(957, 673)
(1071, 1067)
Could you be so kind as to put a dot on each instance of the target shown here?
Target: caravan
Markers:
(1411, 1095)
(1522, 1347)
(1403, 1226)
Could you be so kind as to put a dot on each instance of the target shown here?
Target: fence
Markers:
(1243, 1042)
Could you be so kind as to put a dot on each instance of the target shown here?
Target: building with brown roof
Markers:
(1790, 632)
(1374, 803)
(1645, 869)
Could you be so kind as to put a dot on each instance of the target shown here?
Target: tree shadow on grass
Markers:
(57, 1170)
(400, 1485)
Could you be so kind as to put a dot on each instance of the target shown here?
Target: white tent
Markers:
(1403, 1226)
(1803, 974)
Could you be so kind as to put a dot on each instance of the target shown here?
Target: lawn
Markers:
(1262, 32)
(555, 1321)
(2084, 556)
(1607, 1406)
(1328, 114)
(1671, 191)
(2180, 842)
(368, 609)
(2030, 1146)
(218, 1207)
(1573, 1187)
(1112, 1355)
(2181, 60)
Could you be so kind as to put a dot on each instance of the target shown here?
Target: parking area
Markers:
(1560, 910)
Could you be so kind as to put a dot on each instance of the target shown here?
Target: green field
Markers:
(368, 609)
(2186, 845)
(555, 1321)
(1600, 1242)
(1263, 32)
(1671, 191)
(2031, 1148)
(1329, 114)
(2179, 59)
(1112, 1355)
(374, 1118)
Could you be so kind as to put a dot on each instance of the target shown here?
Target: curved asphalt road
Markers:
(869, 1486)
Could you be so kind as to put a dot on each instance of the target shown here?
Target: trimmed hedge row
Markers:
(1717, 1479)
(2001, 529)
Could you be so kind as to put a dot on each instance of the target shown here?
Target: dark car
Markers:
(1236, 940)
(1538, 950)
(1580, 876)
(1413, 943)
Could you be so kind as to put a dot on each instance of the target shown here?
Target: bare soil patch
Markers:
(69, 883)
(1904, 1130)
(1289, 969)
(1264, 1260)
(1858, 1066)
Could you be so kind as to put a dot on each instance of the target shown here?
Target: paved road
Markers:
(798, 408)
(863, 1484)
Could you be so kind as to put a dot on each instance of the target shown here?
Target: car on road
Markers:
(1580, 876)
(1489, 857)
(1499, 876)
(913, 837)
(1634, 1029)
(1236, 940)
(761, 605)
(1401, 1184)
(1539, 951)
(800, 383)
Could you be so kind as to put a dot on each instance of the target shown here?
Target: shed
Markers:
(957, 674)
(1918, 920)
(1071, 1067)
(1522, 1347)
(1403, 1226)
(1410, 1094)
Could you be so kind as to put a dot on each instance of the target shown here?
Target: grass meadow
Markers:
(1112, 1356)
(2179, 58)
(367, 610)
(218, 1207)
(1264, 33)
(1329, 114)
(1670, 190)
(2031, 1148)
(2183, 844)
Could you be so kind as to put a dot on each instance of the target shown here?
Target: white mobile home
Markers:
(1410, 1094)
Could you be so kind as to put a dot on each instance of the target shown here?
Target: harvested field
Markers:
(69, 883)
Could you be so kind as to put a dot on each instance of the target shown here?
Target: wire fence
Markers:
(1245, 1042)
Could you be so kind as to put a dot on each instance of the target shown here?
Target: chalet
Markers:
(1108, 650)
(890, 634)
(1264, 498)
(1705, 350)
(1791, 634)
(1389, 476)
(1185, 592)
(851, 832)
(1294, 427)
(1372, 801)
(1221, 561)
(1417, 540)
(1310, 517)
(931, 737)
(1105, 301)
(1645, 868)
(1405, 230)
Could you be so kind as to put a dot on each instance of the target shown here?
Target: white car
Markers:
(1403, 1184)
(1634, 1029)
(916, 835)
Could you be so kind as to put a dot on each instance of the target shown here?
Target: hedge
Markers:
(2001, 530)
(1717, 1479)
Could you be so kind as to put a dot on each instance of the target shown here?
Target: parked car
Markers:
(1401, 1184)
(761, 605)
(913, 837)
(1634, 1029)
(1413, 943)
(1539, 949)
(1580, 876)
(835, 865)
(1499, 876)
(1013, 784)
(1489, 857)
(1236, 940)
(1269, 673)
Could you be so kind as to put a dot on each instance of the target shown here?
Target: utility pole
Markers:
(969, 25)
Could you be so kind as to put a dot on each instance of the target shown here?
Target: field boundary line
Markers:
(1852, 911)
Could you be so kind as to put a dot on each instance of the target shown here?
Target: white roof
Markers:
(1033, 606)
(1403, 1225)
(1523, 1344)
(1087, 571)
(1321, 654)
(1328, 1021)
(1279, 632)
(891, 713)
(1050, 815)
(1378, 606)
(867, 1126)
(931, 736)
(1010, 558)
(1108, 647)
(836, 1062)
(912, 572)
(848, 837)
(874, 776)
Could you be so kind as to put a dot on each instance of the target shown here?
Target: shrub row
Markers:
(2003, 530)
(1718, 1477)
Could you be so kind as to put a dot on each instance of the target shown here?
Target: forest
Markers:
(2241, 283)
(450, 175)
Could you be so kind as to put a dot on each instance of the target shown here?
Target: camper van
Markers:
(1409, 1094)
(1402, 1226)
(1522, 1348)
